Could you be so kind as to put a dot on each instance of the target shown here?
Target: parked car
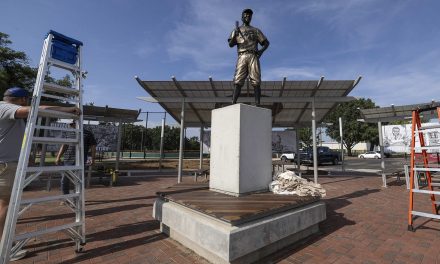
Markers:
(370, 155)
(288, 156)
(325, 155)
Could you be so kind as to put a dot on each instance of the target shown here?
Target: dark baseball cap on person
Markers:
(16, 92)
(247, 11)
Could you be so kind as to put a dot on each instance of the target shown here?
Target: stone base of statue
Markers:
(241, 149)
(235, 219)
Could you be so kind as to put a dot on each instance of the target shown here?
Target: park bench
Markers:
(201, 172)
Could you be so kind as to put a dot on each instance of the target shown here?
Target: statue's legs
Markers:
(236, 94)
(257, 93)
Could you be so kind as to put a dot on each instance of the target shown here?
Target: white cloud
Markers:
(278, 73)
(361, 23)
(202, 35)
(415, 81)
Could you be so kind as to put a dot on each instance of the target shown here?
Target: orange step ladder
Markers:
(421, 176)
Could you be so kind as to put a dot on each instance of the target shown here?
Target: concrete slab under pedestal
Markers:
(227, 229)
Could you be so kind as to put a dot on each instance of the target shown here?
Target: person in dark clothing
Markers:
(68, 152)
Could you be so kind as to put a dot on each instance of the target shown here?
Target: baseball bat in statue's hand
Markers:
(238, 29)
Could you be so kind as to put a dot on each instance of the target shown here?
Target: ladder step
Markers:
(63, 65)
(54, 168)
(426, 191)
(58, 128)
(427, 169)
(429, 127)
(70, 99)
(46, 231)
(53, 140)
(52, 87)
(427, 148)
(425, 214)
(49, 198)
(56, 114)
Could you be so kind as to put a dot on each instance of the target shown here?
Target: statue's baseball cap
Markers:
(247, 11)
(16, 92)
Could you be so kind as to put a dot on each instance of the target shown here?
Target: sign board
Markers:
(397, 138)
(282, 141)
(105, 136)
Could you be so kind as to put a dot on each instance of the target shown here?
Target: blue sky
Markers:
(393, 44)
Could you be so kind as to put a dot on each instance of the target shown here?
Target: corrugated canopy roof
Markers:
(103, 113)
(108, 114)
(290, 101)
(393, 113)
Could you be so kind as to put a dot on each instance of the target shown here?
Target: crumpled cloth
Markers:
(289, 183)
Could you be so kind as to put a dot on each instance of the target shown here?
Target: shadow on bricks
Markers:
(95, 202)
(333, 222)
(89, 213)
(115, 247)
(114, 233)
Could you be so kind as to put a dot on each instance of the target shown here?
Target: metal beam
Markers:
(382, 155)
(177, 84)
(162, 131)
(284, 99)
(150, 91)
(312, 96)
(341, 134)
(118, 151)
(182, 140)
(201, 148)
(214, 90)
(218, 89)
(283, 84)
(315, 152)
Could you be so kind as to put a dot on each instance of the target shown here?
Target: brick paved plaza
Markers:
(365, 224)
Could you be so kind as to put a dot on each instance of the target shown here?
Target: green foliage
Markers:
(66, 81)
(192, 143)
(305, 136)
(353, 130)
(14, 67)
(136, 136)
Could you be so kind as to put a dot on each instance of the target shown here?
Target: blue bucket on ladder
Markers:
(64, 48)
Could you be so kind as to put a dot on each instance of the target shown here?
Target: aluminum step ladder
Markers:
(422, 180)
(64, 53)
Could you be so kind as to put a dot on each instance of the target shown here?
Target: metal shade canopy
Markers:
(389, 114)
(393, 113)
(290, 101)
(108, 114)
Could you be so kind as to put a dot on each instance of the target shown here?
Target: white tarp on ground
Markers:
(289, 183)
(397, 138)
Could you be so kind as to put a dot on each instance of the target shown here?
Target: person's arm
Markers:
(264, 45)
(60, 153)
(93, 154)
(232, 40)
(23, 111)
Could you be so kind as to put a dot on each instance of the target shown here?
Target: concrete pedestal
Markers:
(220, 242)
(241, 151)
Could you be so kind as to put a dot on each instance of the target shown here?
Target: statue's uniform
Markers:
(248, 62)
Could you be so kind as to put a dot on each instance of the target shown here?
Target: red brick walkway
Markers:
(365, 224)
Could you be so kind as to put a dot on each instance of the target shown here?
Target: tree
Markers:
(14, 67)
(353, 130)
(305, 136)
(192, 143)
